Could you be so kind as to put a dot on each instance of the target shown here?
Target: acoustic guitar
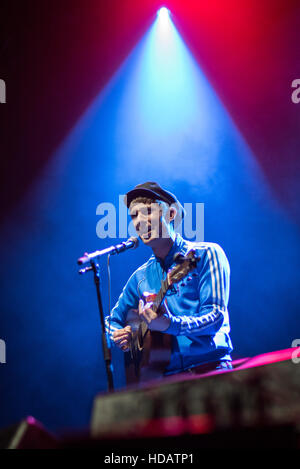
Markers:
(150, 351)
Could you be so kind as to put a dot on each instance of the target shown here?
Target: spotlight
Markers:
(163, 13)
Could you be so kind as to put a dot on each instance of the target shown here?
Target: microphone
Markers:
(131, 243)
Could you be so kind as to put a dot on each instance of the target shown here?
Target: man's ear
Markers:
(171, 214)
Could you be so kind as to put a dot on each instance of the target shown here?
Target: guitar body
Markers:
(151, 359)
(150, 351)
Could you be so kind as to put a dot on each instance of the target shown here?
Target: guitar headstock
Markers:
(185, 265)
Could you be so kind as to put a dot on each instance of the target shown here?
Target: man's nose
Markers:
(141, 221)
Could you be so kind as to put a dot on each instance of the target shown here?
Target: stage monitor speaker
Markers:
(262, 391)
(27, 434)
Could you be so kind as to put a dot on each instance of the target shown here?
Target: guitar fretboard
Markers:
(156, 304)
(161, 294)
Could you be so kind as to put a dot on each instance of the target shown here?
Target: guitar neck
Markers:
(156, 304)
(161, 294)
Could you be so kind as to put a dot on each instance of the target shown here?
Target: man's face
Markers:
(149, 222)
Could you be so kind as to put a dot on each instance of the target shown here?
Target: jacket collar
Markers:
(177, 246)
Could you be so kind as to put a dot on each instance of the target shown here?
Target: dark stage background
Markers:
(71, 138)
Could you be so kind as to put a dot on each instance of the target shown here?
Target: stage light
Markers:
(163, 14)
(164, 23)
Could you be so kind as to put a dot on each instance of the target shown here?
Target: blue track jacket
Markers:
(198, 310)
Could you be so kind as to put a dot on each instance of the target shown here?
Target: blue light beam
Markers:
(166, 104)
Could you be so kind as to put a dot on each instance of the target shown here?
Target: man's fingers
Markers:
(146, 312)
(143, 308)
(120, 332)
(119, 338)
(122, 338)
(121, 343)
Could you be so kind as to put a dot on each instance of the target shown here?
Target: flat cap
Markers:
(154, 191)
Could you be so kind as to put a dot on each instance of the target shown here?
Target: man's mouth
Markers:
(146, 234)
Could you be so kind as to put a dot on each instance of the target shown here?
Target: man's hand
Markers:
(122, 338)
(154, 321)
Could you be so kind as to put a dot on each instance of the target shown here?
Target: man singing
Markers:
(195, 315)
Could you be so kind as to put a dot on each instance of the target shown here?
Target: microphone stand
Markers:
(131, 243)
(106, 350)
